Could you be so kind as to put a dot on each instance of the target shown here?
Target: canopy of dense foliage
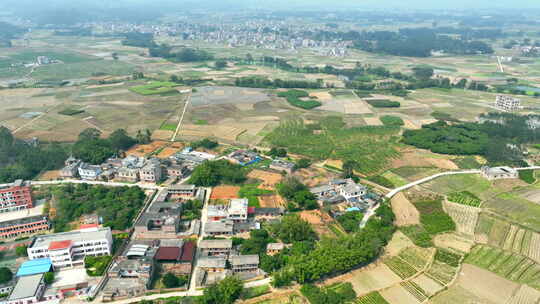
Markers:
(116, 206)
(212, 173)
(20, 160)
(95, 150)
(226, 291)
(498, 138)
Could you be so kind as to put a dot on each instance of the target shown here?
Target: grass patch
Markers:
(294, 98)
(254, 292)
(433, 217)
(168, 127)
(383, 103)
(418, 235)
(201, 122)
(252, 193)
(155, 88)
(71, 112)
(96, 266)
(389, 120)
(527, 176)
(468, 162)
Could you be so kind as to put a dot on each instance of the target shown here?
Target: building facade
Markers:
(16, 197)
(69, 249)
(507, 103)
(24, 226)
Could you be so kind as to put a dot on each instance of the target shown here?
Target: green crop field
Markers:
(464, 198)
(155, 88)
(82, 70)
(400, 267)
(441, 272)
(371, 298)
(371, 147)
(507, 264)
(416, 257)
(513, 206)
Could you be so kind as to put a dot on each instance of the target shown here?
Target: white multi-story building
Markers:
(68, 249)
(507, 103)
(238, 210)
(89, 172)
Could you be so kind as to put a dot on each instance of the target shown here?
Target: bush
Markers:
(205, 143)
(350, 221)
(433, 217)
(49, 277)
(172, 281)
(383, 103)
(212, 173)
(303, 163)
(389, 120)
(71, 112)
(447, 257)
(418, 235)
(96, 265)
(5, 275)
(465, 198)
(527, 176)
(293, 97)
(21, 251)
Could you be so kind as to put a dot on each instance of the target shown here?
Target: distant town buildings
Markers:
(507, 103)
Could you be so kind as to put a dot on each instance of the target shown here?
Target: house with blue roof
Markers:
(36, 266)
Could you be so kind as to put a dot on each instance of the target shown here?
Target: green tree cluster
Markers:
(212, 173)
(226, 291)
(297, 194)
(5, 275)
(91, 148)
(21, 160)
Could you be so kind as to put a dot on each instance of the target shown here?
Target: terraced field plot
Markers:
(371, 298)
(525, 295)
(507, 264)
(464, 216)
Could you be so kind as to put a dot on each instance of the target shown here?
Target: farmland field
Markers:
(464, 198)
(507, 264)
(155, 88)
(441, 272)
(511, 205)
(400, 267)
(416, 257)
(371, 298)
(464, 216)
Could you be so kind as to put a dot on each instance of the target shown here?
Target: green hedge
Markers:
(527, 176)
(389, 120)
(293, 97)
(383, 103)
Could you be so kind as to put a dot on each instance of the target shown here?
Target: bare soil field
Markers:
(525, 295)
(398, 294)
(318, 220)
(452, 241)
(368, 279)
(271, 201)
(49, 175)
(143, 150)
(314, 176)
(415, 159)
(427, 284)
(406, 213)
(269, 179)
(486, 285)
(168, 152)
(373, 121)
(162, 135)
(465, 217)
(224, 192)
(322, 96)
(398, 242)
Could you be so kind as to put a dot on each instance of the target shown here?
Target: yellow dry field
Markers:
(143, 150)
(427, 284)
(269, 179)
(398, 242)
(271, 201)
(162, 135)
(453, 241)
(373, 121)
(336, 163)
(49, 175)
(415, 159)
(222, 131)
(368, 279)
(105, 85)
(398, 294)
(318, 220)
(167, 152)
(486, 285)
(314, 176)
(525, 295)
(322, 96)
(409, 124)
(406, 213)
(464, 216)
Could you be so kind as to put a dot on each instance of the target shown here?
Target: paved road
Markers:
(76, 181)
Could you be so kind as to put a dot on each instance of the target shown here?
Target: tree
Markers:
(21, 251)
(49, 277)
(226, 291)
(5, 275)
(114, 55)
(120, 140)
(348, 168)
(89, 134)
(277, 152)
(303, 163)
(423, 72)
(293, 229)
(220, 64)
(170, 280)
(174, 79)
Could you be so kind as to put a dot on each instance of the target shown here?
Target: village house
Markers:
(28, 289)
(212, 264)
(244, 157)
(267, 214)
(217, 212)
(222, 228)
(238, 210)
(216, 247)
(507, 103)
(244, 263)
(152, 171)
(89, 172)
(274, 248)
(282, 166)
(22, 225)
(499, 173)
(128, 174)
(71, 168)
(178, 171)
(184, 192)
(353, 192)
(161, 220)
